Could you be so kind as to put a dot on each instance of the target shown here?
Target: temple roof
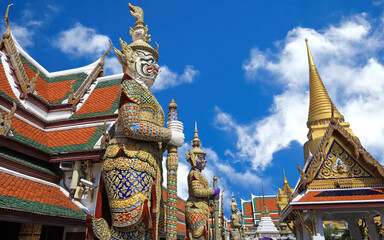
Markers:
(45, 119)
(25, 194)
(341, 195)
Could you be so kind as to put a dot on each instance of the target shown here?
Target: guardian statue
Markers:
(197, 207)
(128, 204)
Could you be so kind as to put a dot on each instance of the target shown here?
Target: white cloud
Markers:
(81, 41)
(345, 58)
(112, 65)
(22, 35)
(167, 78)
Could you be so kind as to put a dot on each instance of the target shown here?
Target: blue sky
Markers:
(239, 69)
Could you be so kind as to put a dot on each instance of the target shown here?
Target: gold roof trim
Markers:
(320, 105)
(358, 152)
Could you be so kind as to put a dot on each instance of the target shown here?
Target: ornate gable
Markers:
(340, 161)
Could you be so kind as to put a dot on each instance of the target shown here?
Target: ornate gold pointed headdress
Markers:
(196, 144)
(140, 38)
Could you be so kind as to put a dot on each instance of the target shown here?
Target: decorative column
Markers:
(172, 163)
(372, 229)
(353, 227)
(318, 233)
(216, 211)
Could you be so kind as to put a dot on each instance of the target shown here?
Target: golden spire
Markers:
(286, 188)
(196, 141)
(320, 105)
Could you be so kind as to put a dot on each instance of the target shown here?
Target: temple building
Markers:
(340, 180)
(251, 210)
(54, 127)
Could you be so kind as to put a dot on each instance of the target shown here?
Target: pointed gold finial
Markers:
(285, 178)
(196, 141)
(319, 102)
(310, 58)
(32, 84)
(8, 31)
(101, 63)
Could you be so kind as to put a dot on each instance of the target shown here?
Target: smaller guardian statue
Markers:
(235, 231)
(197, 209)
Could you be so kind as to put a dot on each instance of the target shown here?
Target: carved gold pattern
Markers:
(339, 164)
(6, 121)
(363, 228)
(30, 231)
(105, 138)
(22, 78)
(336, 130)
(306, 222)
(379, 225)
(32, 84)
(101, 229)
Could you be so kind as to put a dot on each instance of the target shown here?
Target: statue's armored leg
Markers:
(99, 227)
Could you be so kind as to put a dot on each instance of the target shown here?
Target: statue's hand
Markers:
(177, 138)
(217, 193)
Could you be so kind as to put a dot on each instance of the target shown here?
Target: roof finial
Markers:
(8, 31)
(285, 178)
(196, 141)
(101, 63)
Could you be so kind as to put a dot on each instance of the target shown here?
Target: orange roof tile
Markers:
(270, 202)
(106, 96)
(54, 138)
(248, 220)
(13, 186)
(343, 195)
(4, 84)
(51, 92)
(248, 209)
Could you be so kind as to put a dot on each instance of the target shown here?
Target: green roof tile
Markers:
(38, 207)
(68, 148)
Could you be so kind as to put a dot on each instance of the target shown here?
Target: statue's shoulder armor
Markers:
(196, 175)
(132, 90)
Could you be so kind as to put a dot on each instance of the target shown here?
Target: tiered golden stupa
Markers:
(320, 110)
